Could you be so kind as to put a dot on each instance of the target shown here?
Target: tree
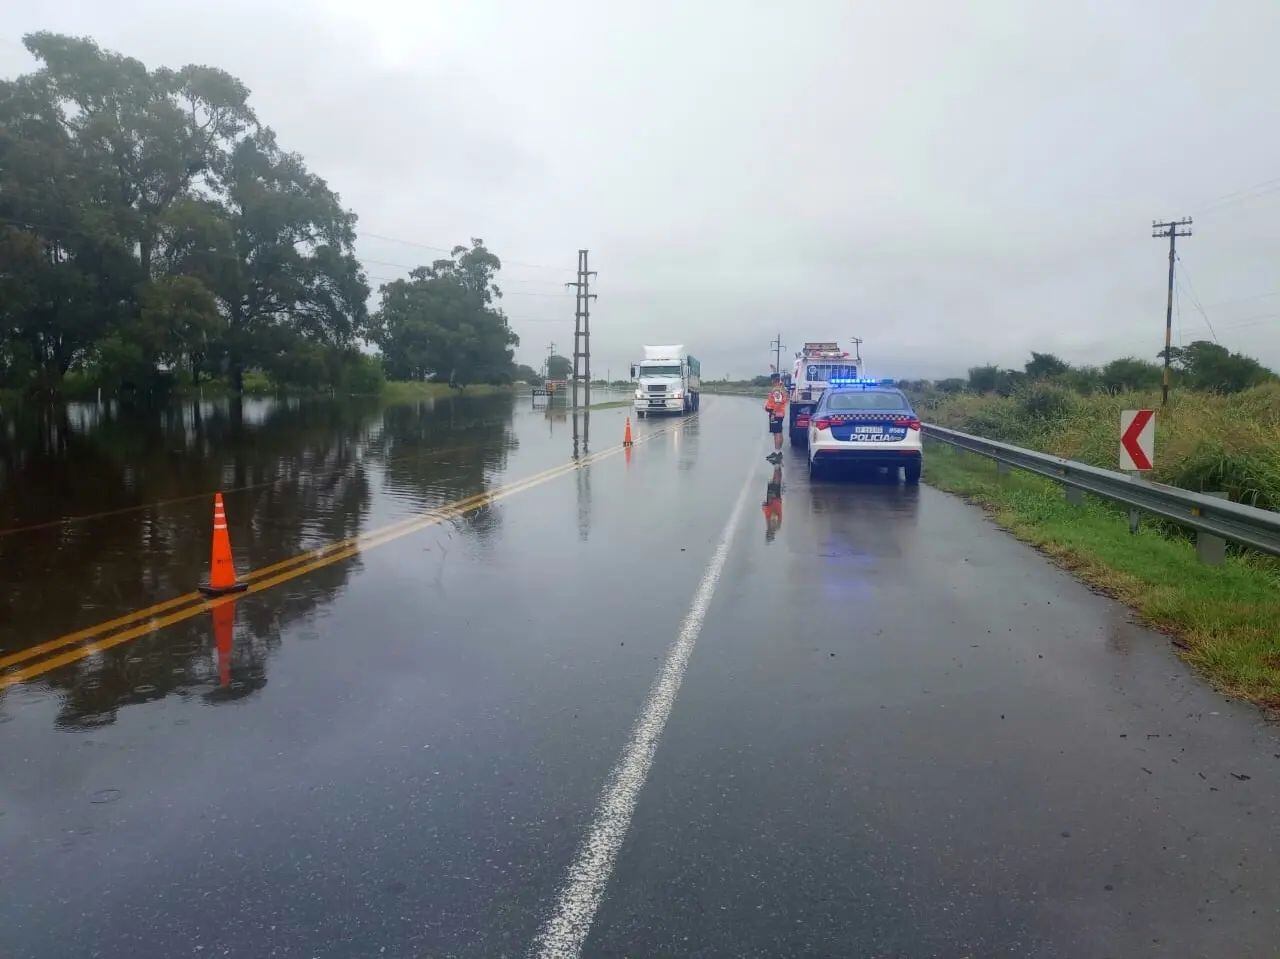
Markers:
(440, 321)
(559, 367)
(118, 182)
(952, 384)
(1042, 366)
(1209, 366)
(278, 252)
(1130, 373)
(984, 379)
(1082, 379)
(527, 374)
(144, 137)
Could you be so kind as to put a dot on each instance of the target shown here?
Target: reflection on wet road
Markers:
(900, 732)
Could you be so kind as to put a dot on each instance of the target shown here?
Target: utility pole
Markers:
(857, 352)
(546, 366)
(1172, 229)
(582, 329)
(776, 343)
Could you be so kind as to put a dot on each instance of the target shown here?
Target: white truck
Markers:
(667, 381)
(817, 365)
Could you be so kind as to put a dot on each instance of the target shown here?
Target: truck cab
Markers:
(667, 381)
(818, 366)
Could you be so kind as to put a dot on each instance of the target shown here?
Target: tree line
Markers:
(154, 232)
(1200, 365)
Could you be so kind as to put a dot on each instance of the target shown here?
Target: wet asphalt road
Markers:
(900, 733)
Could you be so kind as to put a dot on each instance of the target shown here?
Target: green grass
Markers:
(1223, 618)
(400, 390)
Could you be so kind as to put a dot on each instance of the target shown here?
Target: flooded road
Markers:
(894, 730)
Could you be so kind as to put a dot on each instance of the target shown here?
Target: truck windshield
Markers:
(821, 372)
(647, 370)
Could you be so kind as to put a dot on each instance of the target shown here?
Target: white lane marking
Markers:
(564, 933)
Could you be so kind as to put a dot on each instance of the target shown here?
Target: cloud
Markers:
(954, 183)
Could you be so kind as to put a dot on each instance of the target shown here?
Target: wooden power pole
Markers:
(1172, 229)
(776, 343)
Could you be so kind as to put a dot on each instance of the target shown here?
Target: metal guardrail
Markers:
(1247, 525)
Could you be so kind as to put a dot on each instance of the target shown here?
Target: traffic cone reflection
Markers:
(222, 569)
(224, 627)
(626, 434)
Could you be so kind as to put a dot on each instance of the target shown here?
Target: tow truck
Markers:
(817, 366)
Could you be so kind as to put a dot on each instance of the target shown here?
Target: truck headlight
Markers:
(678, 395)
(639, 394)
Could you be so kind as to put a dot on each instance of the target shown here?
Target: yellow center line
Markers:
(148, 612)
(284, 571)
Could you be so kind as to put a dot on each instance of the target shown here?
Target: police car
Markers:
(865, 423)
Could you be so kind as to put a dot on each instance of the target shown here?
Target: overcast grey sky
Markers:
(954, 182)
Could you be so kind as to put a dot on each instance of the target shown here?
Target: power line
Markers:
(449, 250)
(1238, 196)
(1195, 299)
(1245, 299)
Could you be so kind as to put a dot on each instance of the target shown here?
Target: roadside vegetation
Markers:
(1206, 439)
(156, 238)
(756, 386)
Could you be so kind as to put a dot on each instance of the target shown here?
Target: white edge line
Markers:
(565, 932)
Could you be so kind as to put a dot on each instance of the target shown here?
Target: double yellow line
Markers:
(142, 622)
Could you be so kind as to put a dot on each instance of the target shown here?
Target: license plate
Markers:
(868, 429)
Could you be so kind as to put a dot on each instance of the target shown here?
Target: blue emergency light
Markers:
(860, 382)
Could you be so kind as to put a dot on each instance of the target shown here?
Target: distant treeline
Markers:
(154, 233)
(1199, 366)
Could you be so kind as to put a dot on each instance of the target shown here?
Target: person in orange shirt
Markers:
(776, 406)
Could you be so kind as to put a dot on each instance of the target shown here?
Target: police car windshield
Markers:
(868, 400)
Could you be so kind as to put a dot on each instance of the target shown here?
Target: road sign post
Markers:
(1137, 440)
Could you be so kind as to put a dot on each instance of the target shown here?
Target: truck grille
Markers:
(657, 389)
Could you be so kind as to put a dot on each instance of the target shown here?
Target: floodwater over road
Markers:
(500, 686)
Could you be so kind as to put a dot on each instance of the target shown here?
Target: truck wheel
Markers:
(912, 472)
(799, 437)
(639, 414)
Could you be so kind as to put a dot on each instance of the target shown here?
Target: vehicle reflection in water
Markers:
(772, 505)
(686, 442)
(105, 509)
(858, 520)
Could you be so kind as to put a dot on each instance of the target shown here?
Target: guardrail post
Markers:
(1135, 516)
(1003, 468)
(1211, 550)
(1075, 495)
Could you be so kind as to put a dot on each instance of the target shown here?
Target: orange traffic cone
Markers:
(224, 625)
(626, 434)
(222, 570)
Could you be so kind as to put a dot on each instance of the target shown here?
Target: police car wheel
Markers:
(912, 473)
